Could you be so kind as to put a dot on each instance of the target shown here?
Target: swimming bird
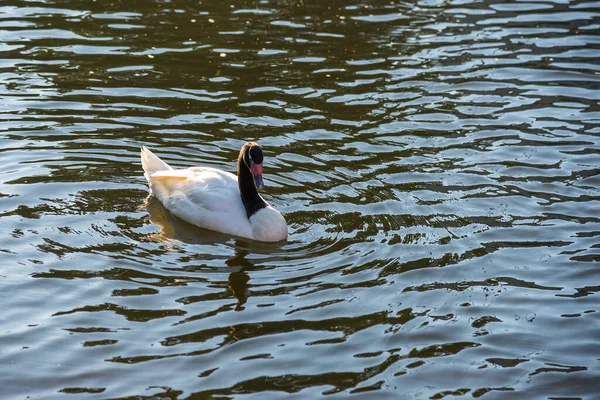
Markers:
(217, 200)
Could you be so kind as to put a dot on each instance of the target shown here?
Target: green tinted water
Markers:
(437, 161)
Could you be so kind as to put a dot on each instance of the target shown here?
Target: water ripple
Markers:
(437, 163)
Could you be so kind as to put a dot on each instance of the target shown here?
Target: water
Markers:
(438, 164)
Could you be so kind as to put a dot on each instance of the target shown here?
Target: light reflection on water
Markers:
(437, 163)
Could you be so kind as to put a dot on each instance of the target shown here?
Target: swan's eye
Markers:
(256, 155)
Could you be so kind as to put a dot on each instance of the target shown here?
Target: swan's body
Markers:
(215, 199)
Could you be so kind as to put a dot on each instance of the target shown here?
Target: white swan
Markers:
(218, 200)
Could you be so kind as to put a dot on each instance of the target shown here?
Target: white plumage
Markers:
(210, 198)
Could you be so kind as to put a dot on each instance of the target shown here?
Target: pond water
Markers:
(438, 163)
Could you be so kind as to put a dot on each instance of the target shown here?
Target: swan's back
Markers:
(204, 196)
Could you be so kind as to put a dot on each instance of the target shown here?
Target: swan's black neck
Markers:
(250, 197)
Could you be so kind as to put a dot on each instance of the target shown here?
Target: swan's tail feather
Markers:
(151, 163)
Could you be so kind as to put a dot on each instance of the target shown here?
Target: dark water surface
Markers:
(438, 163)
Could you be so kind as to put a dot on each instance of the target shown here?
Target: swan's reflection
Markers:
(238, 283)
(173, 228)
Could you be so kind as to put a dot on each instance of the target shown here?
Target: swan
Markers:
(217, 200)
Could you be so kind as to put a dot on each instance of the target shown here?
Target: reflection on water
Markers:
(173, 228)
(436, 161)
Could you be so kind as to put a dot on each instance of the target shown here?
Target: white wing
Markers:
(203, 196)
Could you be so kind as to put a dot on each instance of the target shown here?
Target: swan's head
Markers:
(253, 157)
